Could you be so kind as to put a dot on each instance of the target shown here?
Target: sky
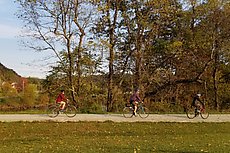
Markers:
(25, 62)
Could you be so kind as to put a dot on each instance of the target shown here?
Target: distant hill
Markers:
(8, 75)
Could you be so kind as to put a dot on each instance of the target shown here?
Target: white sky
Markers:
(12, 54)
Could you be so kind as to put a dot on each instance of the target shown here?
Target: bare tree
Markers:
(58, 26)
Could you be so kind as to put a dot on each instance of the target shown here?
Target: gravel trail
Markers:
(112, 117)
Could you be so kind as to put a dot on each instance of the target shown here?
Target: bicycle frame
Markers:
(140, 106)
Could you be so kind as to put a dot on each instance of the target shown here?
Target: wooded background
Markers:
(103, 49)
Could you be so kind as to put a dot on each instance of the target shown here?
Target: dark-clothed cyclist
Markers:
(196, 102)
(134, 100)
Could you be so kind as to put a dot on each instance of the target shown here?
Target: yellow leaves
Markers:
(8, 89)
(106, 43)
(136, 149)
(175, 47)
(177, 44)
(202, 150)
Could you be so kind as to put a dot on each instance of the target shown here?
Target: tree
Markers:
(169, 48)
(30, 94)
(8, 90)
(218, 13)
(58, 26)
(106, 29)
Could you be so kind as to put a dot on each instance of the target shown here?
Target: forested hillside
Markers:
(18, 93)
(7, 74)
(170, 49)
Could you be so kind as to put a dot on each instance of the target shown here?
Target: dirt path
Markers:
(112, 117)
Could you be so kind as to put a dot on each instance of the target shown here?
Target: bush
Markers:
(30, 94)
(158, 107)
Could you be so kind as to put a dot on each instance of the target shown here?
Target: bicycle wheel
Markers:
(52, 111)
(204, 114)
(190, 112)
(71, 111)
(143, 112)
(128, 112)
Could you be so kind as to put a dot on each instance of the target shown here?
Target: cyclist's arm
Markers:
(202, 103)
(138, 98)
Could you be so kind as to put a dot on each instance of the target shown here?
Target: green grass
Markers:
(95, 137)
(30, 111)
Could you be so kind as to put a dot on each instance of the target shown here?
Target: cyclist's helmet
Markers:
(136, 89)
(198, 94)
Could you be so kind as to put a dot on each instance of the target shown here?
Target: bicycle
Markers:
(142, 111)
(193, 112)
(54, 110)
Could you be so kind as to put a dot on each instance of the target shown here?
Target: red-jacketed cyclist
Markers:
(61, 99)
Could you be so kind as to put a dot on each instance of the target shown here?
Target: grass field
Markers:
(95, 137)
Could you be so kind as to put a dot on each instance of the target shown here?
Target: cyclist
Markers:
(61, 99)
(134, 100)
(196, 102)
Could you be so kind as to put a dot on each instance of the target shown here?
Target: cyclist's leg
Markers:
(131, 104)
(62, 105)
(197, 108)
(135, 107)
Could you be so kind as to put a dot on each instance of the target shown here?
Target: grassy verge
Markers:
(30, 111)
(93, 137)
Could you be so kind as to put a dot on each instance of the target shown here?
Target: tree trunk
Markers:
(138, 70)
(78, 63)
(138, 51)
(112, 26)
(215, 83)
